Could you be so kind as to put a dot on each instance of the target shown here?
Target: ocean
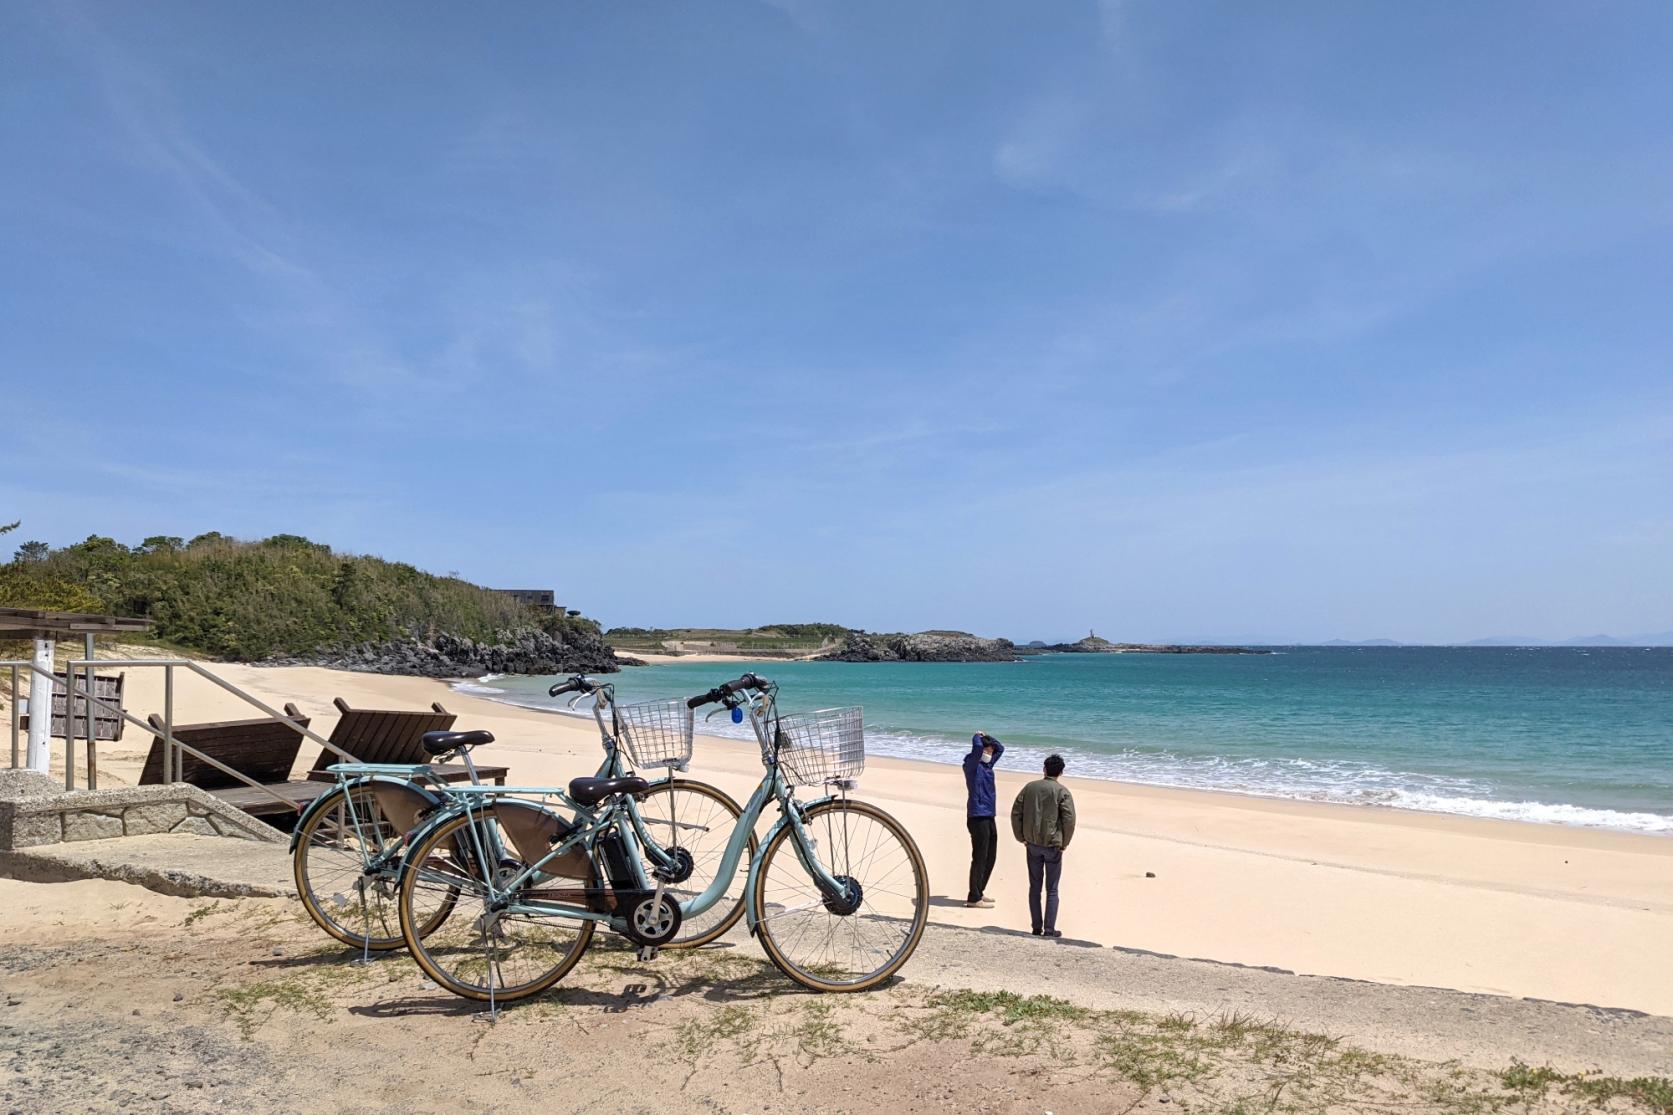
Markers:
(1577, 736)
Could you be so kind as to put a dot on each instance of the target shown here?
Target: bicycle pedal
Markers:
(647, 952)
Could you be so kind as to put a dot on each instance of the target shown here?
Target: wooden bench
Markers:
(393, 736)
(263, 749)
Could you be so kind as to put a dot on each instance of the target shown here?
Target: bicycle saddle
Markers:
(441, 743)
(591, 791)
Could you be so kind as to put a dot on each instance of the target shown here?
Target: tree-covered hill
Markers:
(287, 597)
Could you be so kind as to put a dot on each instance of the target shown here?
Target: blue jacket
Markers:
(978, 778)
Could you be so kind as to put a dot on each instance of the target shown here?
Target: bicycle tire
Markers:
(777, 935)
(433, 856)
(373, 925)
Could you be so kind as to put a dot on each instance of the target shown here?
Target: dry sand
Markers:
(114, 998)
(1546, 912)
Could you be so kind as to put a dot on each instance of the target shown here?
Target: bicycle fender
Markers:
(752, 915)
(430, 800)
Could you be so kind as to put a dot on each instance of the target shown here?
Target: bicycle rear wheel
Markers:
(479, 952)
(344, 834)
(855, 942)
(698, 819)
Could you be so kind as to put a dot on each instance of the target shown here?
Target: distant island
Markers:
(830, 642)
(1096, 644)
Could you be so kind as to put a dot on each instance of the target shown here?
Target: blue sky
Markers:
(1182, 321)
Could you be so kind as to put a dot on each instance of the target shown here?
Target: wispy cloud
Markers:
(236, 220)
(1037, 150)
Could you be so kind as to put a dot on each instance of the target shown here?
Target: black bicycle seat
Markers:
(442, 743)
(591, 791)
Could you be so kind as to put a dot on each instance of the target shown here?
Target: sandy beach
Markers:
(1545, 912)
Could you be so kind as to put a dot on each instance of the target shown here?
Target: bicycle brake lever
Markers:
(570, 704)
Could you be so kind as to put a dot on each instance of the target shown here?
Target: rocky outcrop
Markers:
(448, 656)
(1094, 645)
(927, 646)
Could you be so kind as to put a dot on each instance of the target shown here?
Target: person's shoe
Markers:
(983, 903)
(1052, 933)
(1036, 932)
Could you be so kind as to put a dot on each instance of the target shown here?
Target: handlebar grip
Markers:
(575, 684)
(708, 698)
(748, 681)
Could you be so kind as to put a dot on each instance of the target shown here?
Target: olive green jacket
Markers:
(1044, 814)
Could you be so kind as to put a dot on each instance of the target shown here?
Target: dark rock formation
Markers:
(529, 651)
(927, 646)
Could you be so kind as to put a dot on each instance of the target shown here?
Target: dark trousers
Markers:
(984, 849)
(1045, 865)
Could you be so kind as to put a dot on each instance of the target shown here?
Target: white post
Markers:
(40, 708)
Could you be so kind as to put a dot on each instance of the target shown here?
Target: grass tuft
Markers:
(1654, 1093)
(698, 1035)
(243, 1004)
(1011, 1007)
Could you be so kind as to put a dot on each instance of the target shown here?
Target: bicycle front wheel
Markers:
(698, 820)
(855, 942)
(481, 951)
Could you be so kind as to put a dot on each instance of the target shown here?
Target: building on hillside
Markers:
(541, 599)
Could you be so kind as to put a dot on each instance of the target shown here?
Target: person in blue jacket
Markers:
(984, 831)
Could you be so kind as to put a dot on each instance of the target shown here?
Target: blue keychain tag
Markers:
(737, 716)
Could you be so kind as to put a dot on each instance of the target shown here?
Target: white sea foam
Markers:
(481, 687)
(1336, 781)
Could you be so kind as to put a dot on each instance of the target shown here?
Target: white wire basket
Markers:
(655, 733)
(819, 747)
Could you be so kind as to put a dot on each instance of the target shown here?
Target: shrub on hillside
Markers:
(284, 595)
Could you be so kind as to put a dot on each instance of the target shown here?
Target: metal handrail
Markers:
(14, 701)
(173, 764)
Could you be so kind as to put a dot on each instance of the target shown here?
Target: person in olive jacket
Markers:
(1043, 818)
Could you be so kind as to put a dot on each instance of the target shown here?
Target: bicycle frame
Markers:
(475, 801)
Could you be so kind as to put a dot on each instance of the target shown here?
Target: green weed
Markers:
(244, 1004)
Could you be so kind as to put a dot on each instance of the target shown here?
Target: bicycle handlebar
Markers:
(730, 689)
(576, 684)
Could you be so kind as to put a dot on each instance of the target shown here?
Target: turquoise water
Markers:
(1573, 736)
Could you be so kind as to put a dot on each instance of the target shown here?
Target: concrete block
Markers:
(146, 820)
(90, 826)
(197, 826)
(16, 785)
(31, 830)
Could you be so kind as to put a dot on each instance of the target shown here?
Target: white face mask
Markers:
(987, 758)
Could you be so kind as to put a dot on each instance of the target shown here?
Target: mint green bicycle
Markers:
(838, 894)
(347, 848)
